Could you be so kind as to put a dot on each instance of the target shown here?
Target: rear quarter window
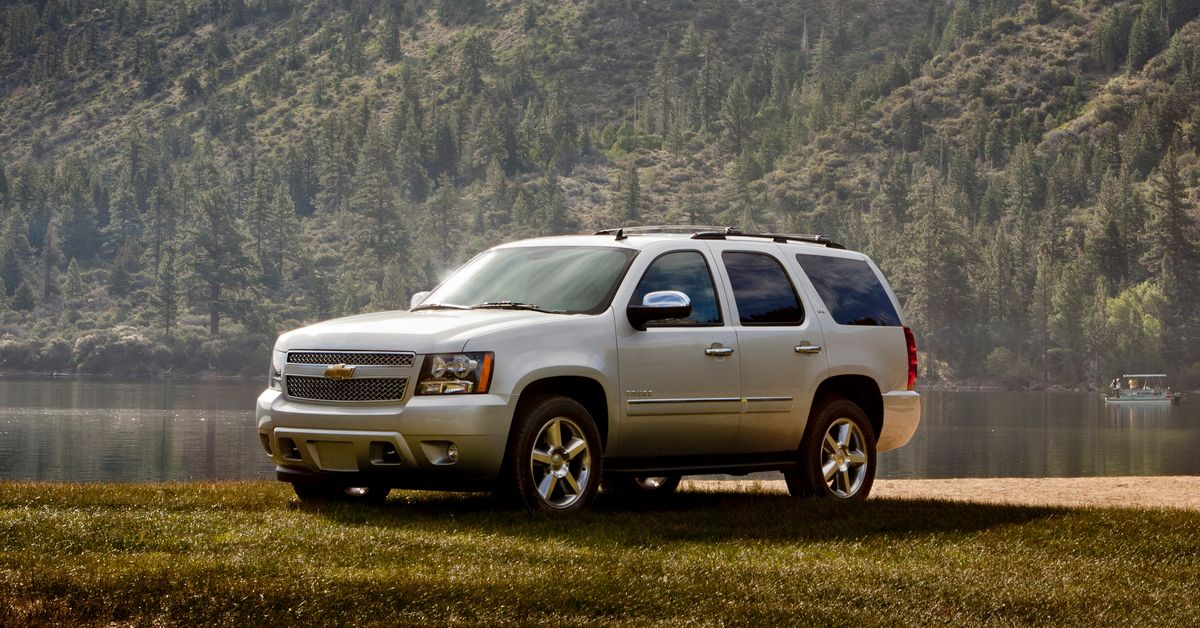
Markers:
(850, 289)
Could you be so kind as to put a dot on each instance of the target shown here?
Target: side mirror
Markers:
(657, 306)
(417, 298)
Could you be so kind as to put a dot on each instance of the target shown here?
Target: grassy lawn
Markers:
(248, 553)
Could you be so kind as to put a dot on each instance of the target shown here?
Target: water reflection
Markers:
(75, 430)
(128, 431)
(1006, 434)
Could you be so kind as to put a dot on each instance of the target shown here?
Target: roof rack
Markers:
(781, 238)
(699, 232)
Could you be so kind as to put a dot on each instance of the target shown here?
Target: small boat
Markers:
(1141, 388)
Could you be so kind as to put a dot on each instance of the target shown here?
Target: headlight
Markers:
(275, 377)
(455, 373)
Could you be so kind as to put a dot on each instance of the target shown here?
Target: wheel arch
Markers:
(587, 391)
(860, 389)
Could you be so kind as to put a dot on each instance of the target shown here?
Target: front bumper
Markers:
(407, 444)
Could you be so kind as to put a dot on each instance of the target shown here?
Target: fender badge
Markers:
(339, 371)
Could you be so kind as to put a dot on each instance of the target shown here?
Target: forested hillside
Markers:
(182, 180)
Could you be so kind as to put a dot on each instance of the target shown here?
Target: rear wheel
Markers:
(556, 460)
(837, 457)
(321, 492)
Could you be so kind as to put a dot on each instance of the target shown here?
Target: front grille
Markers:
(352, 358)
(364, 389)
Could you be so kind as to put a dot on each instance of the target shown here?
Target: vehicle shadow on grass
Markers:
(691, 516)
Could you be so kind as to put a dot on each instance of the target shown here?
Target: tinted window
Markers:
(761, 288)
(850, 289)
(687, 272)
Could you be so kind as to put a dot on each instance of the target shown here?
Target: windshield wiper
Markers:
(439, 306)
(512, 305)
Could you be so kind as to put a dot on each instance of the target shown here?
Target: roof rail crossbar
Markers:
(781, 238)
(684, 229)
(705, 232)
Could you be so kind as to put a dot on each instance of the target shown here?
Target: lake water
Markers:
(102, 430)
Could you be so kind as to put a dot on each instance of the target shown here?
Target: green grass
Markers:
(248, 553)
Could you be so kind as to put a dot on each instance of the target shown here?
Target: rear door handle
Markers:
(808, 349)
(719, 351)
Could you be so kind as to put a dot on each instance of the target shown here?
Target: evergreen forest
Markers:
(182, 180)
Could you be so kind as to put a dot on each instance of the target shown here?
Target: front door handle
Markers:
(808, 349)
(719, 351)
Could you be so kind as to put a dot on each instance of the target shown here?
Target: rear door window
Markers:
(850, 289)
(761, 289)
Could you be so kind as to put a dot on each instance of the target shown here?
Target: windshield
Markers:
(572, 280)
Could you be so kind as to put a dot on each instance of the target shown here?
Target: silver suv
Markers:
(544, 367)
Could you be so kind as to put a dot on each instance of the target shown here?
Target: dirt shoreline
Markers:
(1174, 492)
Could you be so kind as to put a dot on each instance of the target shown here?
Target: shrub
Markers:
(17, 354)
(120, 351)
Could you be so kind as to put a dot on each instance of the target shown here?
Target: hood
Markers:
(428, 331)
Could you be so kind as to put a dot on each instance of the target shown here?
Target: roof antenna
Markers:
(621, 234)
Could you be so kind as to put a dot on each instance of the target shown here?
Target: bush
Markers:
(1010, 369)
(17, 354)
(120, 351)
(56, 356)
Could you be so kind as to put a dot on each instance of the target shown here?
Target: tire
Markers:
(316, 492)
(555, 459)
(837, 457)
(642, 486)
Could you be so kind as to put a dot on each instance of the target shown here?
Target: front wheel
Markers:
(837, 457)
(556, 460)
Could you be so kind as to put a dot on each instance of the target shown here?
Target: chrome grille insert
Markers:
(353, 358)
(363, 389)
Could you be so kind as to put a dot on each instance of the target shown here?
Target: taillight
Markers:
(912, 358)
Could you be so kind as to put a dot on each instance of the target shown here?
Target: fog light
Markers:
(452, 453)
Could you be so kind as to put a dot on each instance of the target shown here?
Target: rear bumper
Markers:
(901, 416)
(403, 445)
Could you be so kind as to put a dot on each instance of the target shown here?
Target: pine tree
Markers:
(1139, 151)
(736, 118)
(1173, 236)
(213, 247)
(10, 271)
(123, 269)
(1043, 10)
(375, 205)
(936, 271)
(474, 61)
(1147, 36)
(74, 282)
(16, 250)
(631, 199)
(1025, 183)
(1112, 44)
(665, 76)
(165, 300)
(77, 221)
(4, 193)
(391, 293)
(1040, 310)
(1068, 303)
(441, 219)
(22, 298)
(960, 26)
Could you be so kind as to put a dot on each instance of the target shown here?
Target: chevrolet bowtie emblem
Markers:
(339, 371)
